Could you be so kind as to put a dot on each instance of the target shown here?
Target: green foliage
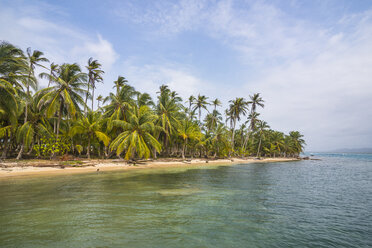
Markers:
(128, 122)
(51, 146)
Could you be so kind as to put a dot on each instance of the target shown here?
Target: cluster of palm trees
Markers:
(127, 123)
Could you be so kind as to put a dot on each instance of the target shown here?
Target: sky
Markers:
(310, 60)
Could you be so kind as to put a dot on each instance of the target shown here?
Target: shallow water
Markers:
(325, 203)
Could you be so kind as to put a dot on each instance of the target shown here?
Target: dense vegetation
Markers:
(60, 119)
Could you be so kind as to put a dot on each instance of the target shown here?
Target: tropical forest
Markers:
(64, 116)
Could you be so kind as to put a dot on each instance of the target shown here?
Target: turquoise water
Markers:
(325, 203)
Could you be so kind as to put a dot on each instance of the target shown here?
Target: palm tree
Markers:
(277, 140)
(188, 130)
(297, 142)
(168, 111)
(94, 76)
(91, 126)
(256, 101)
(216, 102)
(237, 108)
(34, 59)
(200, 102)
(36, 125)
(65, 96)
(212, 120)
(120, 82)
(136, 137)
(99, 99)
(53, 69)
(120, 103)
(12, 60)
(144, 99)
(252, 119)
(262, 126)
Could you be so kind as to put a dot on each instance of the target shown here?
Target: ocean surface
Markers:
(313, 203)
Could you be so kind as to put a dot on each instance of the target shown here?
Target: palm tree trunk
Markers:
(259, 146)
(92, 97)
(6, 145)
(19, 156)
(246, 140)
(183, 149)
(233, 136)
(86, 100)
(88, 148)
(59, 119)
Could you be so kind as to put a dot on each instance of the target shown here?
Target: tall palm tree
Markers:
(252, 119)
(168, 112)
(65, 96)
(200, 103)
(237, 108)
(136, 137)
(34, 59)
(94, 76)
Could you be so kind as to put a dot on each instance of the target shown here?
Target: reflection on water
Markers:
(299, 204)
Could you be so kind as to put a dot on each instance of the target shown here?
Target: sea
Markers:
(322, 202)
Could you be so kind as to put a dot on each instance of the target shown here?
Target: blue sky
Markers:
(310, 60)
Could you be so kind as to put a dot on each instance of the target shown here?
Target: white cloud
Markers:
(59, 42)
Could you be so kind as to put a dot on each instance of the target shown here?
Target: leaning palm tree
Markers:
(237, 108)
(65, 96)
(200, 103)
(53, 70)
(136, 137)
(262, 126)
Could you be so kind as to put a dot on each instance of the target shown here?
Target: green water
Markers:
(297, 204)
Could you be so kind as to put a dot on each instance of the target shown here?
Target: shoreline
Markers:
(27, 168)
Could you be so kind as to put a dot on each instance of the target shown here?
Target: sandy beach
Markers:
(45, 167)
